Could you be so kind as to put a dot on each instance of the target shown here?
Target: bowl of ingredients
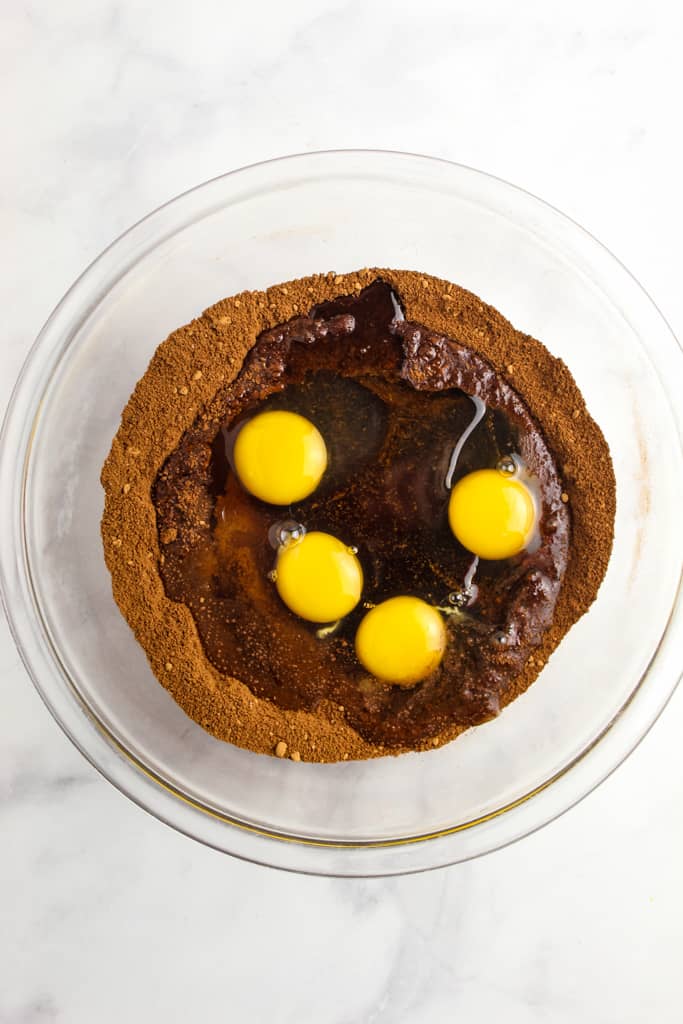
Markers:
(341, 513)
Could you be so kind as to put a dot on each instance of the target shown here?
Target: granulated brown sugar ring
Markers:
(182, 386)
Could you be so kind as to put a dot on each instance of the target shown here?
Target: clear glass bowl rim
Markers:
(118, 765)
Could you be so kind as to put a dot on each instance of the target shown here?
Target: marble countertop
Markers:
(110, 108)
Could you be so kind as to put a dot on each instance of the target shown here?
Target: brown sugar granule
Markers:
(280, 749)
(216, 345)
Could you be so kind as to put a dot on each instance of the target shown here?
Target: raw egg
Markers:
(491, 513)
(318, 577)
(401, 640)
(280, 457)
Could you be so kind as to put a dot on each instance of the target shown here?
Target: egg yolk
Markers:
(318, 577)
(401, 640)
(491, 513)
(280, 457)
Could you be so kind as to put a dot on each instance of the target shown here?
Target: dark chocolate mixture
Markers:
(391, 398)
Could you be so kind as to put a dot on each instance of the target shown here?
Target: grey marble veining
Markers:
(109, 109)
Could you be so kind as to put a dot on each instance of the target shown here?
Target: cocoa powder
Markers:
(184, 376)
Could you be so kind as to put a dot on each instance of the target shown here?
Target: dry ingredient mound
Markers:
(179, 390)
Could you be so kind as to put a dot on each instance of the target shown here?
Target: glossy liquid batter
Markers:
(394, 403)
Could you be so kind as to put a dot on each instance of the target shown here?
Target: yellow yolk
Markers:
(401, 641)
(280, 457)
(319, 578)
(491, 514)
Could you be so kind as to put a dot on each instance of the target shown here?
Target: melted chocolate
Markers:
(391, 399)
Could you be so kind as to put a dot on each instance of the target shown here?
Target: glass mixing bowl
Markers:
(603, 687)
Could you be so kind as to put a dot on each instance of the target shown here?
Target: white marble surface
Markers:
(109, 108)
